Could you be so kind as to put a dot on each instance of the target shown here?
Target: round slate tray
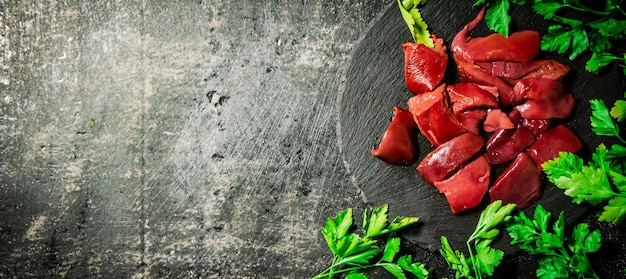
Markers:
(375, 83)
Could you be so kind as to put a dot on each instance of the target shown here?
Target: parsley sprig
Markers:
(560, 256)
(413, 18)
(353, 253)
(605, 29)
(602, 180)
(497, 15)
(482, 258)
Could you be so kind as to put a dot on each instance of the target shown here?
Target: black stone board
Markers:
(375, 83)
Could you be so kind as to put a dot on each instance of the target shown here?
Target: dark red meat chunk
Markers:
(440, 163)
(472, 119)
(399, 142)
(424, 67)
(470, 103)
(495, 120)
(520, 183)
(465, 96)
(466, 188)
(472, 55)
(537, 126)
(543, 99)
(505, 144)
(514, 71)
(433, 115)
(471, 72)
(553, 141)
(522, 46)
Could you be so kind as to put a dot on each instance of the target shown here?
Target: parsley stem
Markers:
(329, 272)
(478, 274)
(620, 138)
(326, 273)
(565, 255)
(586, 9)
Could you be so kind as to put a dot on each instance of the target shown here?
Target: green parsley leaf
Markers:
(455, 259)
(341, 224)
(417, 269)
(360, 258)
(613, 5)
(562, 166)
(580, 42)
(356, 245)
(337, 228)
(559, 226)
(610, 28)
(618, 111)
(498, 18)
(376, 223)
(356, 275)
(399, 223)
(601, 181)
(558, 39)
(542, 218)
(560, 256)
(591, 185)
(601, 122)
(571, 36)
(490, 217)
(600, 44)
(619, 180)
(547, 9)
(413, 19)
(616, 151)
(488, 258)
(497, 15)
(584, 242)
(395, 270)
(599, 60)
(482, 258)
(391, 248)
(590, 241)
(522, 232)
(352, 252)
(478, 3)
(549, 241)
(614, 211)
(599, 159)
(533, 236)
(552, 268)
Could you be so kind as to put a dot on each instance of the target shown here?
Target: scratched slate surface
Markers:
(365, 108)
(183, 139)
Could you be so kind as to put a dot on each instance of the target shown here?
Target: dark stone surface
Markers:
(375, 84)
(183, 139)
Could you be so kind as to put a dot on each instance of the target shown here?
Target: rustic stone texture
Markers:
(173, 139)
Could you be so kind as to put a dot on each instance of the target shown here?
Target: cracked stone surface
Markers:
(176, 139)
(172, 138)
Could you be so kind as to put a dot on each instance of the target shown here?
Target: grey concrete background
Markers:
(171, 138)
(180, 139)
